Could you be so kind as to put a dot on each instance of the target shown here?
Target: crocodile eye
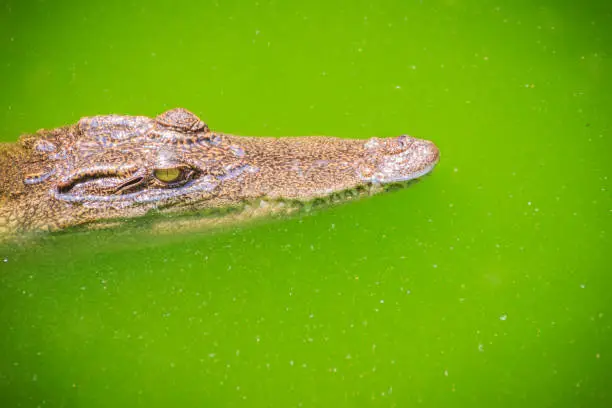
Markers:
(168, 175)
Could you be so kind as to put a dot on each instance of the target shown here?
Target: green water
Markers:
(486, 284)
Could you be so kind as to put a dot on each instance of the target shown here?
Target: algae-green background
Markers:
(486, 284)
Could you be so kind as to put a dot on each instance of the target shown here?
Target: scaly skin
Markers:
(118, 167)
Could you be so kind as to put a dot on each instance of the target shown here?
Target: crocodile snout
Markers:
(398, 159)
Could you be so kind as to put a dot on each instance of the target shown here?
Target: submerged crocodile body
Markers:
(117, 167)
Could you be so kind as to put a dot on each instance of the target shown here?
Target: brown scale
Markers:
(113, 167)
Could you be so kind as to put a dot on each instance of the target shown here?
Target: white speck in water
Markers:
(382, 300)
(5, 260)
(446, 373)
(397, 87)
(582, 286)
(291, 363)
(480, 347)
(435, 265)
(503, 317)
(257, 339)
(408, 291)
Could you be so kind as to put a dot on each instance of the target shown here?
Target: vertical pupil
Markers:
(167, 175)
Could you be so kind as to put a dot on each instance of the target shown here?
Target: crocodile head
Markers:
(117, 167)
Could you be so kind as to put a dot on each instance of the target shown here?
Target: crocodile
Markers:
(117, 167)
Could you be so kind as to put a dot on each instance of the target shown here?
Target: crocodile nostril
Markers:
(405, 141)
(399, 144)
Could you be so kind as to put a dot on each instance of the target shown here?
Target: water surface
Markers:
(485, 284)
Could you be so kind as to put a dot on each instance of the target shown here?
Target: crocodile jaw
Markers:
(307, 168)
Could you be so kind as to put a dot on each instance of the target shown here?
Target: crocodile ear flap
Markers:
(115, 127)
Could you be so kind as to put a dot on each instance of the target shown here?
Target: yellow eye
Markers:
(167, 175)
